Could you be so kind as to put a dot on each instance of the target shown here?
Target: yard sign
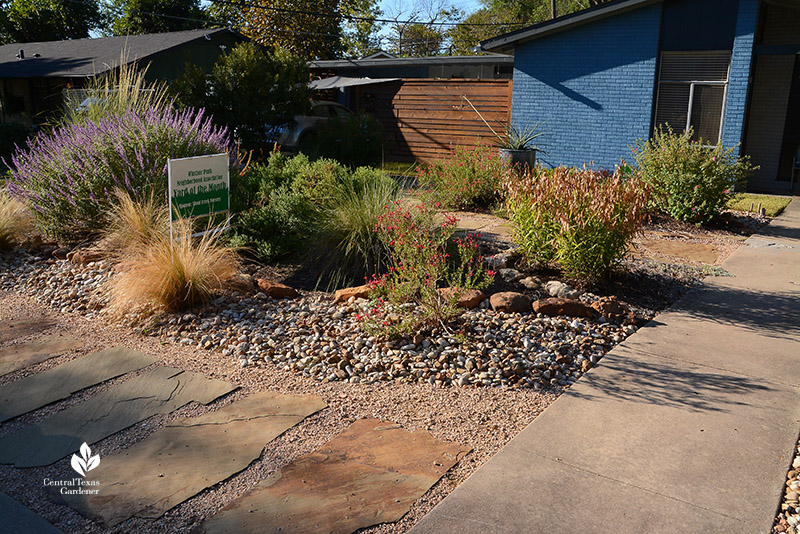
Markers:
(198, 186)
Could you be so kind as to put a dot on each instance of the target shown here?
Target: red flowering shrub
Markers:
(419, 265)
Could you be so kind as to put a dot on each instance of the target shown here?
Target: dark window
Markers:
(691, 92)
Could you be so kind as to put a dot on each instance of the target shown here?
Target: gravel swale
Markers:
(322, 340)
(788, 519)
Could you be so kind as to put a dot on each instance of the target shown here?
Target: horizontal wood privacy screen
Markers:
(424, 118)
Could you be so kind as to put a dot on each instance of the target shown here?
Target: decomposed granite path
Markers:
(370, 473)
(157, 391)
(688, 427)
(189, 455)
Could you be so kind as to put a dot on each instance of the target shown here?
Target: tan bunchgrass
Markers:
(124, 87)
(582, 219)
(15, 221)
(173, 274)
(134, 223)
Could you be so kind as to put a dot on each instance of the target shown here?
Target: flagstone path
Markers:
(17, 328)
(16, 519)
(371, 473)
(24, 355)
(189, 455)
(58, 383)
(157, 391)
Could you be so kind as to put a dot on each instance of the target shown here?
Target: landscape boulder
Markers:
(358, 292)
(469, 299)
(242, 282)
(276, 290)
(510, 302)
(555, 307)
(614, 311)
(85, 256)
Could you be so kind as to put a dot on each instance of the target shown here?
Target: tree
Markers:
(249, 91)
(135, 17)
(24, 21)
(419, 32)
(359, 33)
(309, 28)
(501, 16)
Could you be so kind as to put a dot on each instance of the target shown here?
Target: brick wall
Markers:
(593, 85)
(738, 82)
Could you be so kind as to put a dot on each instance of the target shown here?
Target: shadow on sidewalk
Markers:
(768, 314)
(668, 384)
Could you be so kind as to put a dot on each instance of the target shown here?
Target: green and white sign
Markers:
(198, 186)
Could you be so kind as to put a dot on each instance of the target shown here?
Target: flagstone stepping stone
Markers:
(157, 391)
(33, 352)
(371, 473)
(17, 328)
(189, 455)
(35, 391)
(16, 519)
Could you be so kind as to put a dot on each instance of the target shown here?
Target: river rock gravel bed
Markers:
(788, 519)
(322, 340)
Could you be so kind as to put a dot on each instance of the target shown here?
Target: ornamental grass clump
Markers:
(133, 224)
(68, 178)
(173, 274)
(581, 219)
(469, 179)
(410, 294)
(690, 180)
(348, 243)
(15, 221)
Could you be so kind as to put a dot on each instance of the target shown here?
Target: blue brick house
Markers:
(601, 78)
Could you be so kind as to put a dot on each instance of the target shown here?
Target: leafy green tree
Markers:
(24, 21)
(135, 17)
(309, 28)
(248, 90)
(489, 23)
(359, 36)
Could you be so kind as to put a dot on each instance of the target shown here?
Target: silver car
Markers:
(294, 137)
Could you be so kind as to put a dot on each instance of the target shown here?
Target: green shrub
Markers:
(297, 199)
(582, 219)
(690, 181)
(469, 179)
(250, 91)
(354, 141)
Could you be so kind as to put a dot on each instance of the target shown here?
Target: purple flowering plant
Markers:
(68, 177)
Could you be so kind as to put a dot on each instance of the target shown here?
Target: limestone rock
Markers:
(510, 301)
(614, 311)
(276, 290)
(85, 256)
(469, 299)
(558, 289)
(242, 282)
(358, 292)
(555, 307)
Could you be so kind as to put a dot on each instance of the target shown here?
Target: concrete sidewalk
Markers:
(687, 427)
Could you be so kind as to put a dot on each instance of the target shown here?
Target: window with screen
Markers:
(691, 92)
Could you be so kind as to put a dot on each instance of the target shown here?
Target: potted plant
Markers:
(515, 144)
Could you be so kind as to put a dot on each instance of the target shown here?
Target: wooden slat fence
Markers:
(423, 119)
